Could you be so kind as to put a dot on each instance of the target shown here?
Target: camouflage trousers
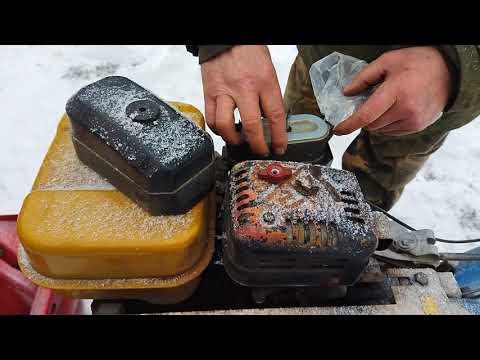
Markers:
(383, 165)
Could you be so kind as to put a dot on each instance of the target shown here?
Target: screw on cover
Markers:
(268, 217)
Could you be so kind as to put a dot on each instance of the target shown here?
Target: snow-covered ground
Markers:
(36, 81)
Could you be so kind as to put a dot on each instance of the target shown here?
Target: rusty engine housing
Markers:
(295, 224)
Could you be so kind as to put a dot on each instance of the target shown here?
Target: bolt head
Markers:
(268, 217)
(404, 244)
(421, 278)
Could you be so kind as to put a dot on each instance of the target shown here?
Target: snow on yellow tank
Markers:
(82, 237)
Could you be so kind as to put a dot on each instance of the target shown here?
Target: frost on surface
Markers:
(65, 171)
(287, 204)
(166, 141)
(107, 215)
(110, 217)
(171, 72)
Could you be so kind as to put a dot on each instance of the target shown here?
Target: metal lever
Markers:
(460, 257)
(415, 246)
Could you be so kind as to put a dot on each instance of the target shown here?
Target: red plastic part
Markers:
(275, 173)
(47, 303)
(19, 296)
(9, 239)
(17, 291)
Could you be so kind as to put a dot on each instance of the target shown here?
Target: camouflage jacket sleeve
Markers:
(465, 104)
(464, 64)
(463, 61)
(206, 52)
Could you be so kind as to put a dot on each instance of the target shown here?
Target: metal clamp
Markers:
(417, 246)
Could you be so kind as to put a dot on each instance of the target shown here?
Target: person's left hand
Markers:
(415, 88)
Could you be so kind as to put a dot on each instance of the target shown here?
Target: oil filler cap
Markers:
(143, 111)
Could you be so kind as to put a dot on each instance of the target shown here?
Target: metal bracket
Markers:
(417, 246)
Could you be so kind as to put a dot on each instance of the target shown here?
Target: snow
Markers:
(37, 81)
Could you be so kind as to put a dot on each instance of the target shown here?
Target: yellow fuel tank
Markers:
(75, 225)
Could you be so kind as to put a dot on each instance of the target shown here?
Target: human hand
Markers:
(415, 88)
(244, 77)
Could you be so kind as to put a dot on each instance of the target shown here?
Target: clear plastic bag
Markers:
(329, 76)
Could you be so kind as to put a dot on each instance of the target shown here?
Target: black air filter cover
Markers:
(142, 145)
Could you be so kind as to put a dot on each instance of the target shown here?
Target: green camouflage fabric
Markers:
(385, 165)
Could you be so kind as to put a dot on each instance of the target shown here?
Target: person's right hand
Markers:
(243, 77)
